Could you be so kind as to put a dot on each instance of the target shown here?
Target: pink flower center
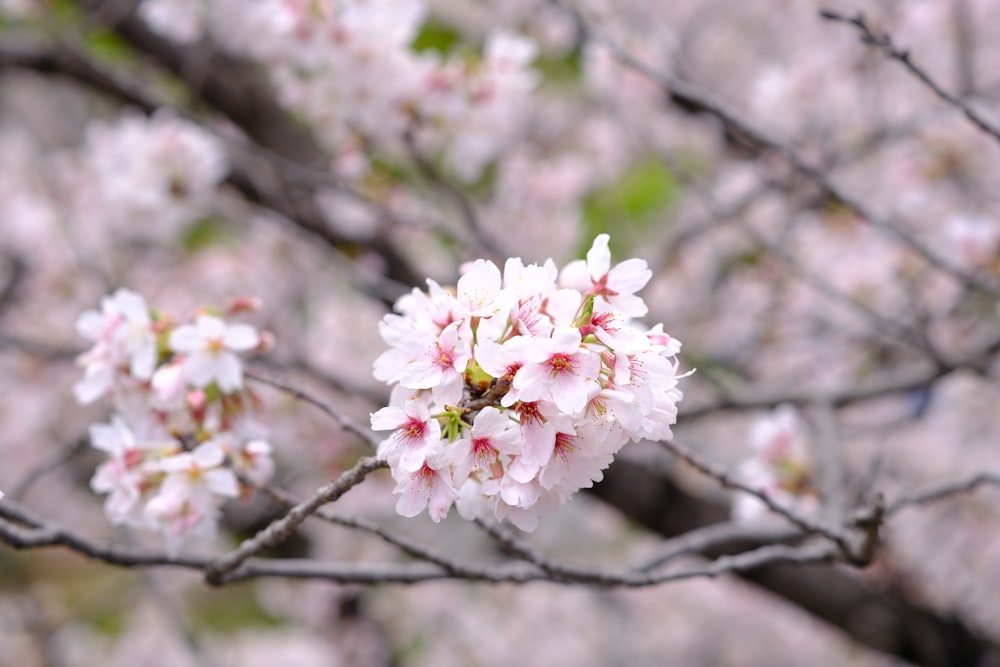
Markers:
(132, 457)
(600, 287)
(559, 364)
(564, 446)
(487, 458)
(528, 412)
(442, 357)
(424, 477)
(413, 429)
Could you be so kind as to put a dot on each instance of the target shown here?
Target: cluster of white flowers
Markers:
(780, 466)
(347, 67)
(162, 169)
(182, 436)
(20, 8)
(974, 241)
(513, 392)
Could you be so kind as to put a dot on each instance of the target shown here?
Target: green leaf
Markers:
(67, 11)
(232, 609)
(436, 36)
(107, 46)
(644, 191)
(204, 233)
(560, 70)
(110, 622)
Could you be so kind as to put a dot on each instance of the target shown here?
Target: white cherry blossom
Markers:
(478, 291)
(430, 486)
(560, 370)
(615, 286)
(173, 448)
(123, 337)
(516, 392)
(488, 447)
(128, 469)
(209, 347)
(415, 434)
(189, 496)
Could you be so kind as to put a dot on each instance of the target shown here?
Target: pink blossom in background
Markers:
(780, 466)
(176, 463)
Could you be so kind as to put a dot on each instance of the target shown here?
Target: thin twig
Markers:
(709, 537)
(407, 546)
(51, 464)
(944, 491)
(883, 42)
(33, 533)
(21, 530)
(809, 525)
(300, 366)
(281, 529)
(459, 198)
(909, 379)
(695, 98)
(342, 420)
(815, 552)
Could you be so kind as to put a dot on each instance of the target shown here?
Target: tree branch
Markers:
(40, 534)
(714, 537)
(271, 171)
(342, 420)
(883, 42)
(859, 556)
(909, 379)
(943, 491)
(694, 99)
(281, 529)
(461, 201)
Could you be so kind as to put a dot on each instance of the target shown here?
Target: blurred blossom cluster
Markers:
(183, 439)
(512, 392)
(780, 466)
(20, 8)
(134, 179)
(163, 170)
(348, 68)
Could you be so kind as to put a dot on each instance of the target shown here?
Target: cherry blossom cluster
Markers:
(348, 69)
(162, 169)
(511, 392)
(20, 8)
(780, 466)
(182, 440)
